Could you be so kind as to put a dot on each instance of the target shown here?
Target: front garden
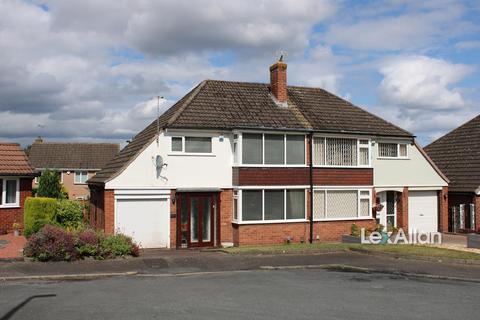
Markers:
(57, 230)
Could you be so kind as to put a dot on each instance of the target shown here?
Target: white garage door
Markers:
(147, 221)
(422, 211)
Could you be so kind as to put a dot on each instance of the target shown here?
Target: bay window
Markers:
(265, 205)
(273, 149)
(341, 152)
(341, 204)
(392, 150)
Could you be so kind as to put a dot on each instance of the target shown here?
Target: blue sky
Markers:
(88, 70)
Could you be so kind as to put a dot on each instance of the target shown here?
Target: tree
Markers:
(49, 185)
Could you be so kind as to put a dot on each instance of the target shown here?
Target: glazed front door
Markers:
(200, 220)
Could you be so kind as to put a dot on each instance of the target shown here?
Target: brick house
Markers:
(457, 154)
(76, 162)
(251, 163)
(16, 177)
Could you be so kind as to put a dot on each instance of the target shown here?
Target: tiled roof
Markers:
(457, 154)
(56, 155)
(13, 161)
(227, 105)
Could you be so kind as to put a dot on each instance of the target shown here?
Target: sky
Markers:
(90, 70)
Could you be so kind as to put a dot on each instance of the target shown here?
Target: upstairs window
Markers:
(81, 177)
(392, 150)
(273, 149)
(198, 144)
(341, 152)
(191, 144)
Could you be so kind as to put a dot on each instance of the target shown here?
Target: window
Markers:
(273, 149)
(344, 152)
(295, 149)
(392, 150)
(235, 205)
(198, 144)
(177, 144)
(251, 205)
(341, 204)
(252, 149)
(273, 205)
(9, 192)
(235, 148)
(81, 177)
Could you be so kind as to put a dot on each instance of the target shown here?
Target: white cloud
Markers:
(420, 82)
(467, 45)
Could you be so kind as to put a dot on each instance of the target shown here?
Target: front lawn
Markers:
(399, 249)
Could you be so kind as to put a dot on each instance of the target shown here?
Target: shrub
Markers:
(69, 213)
(37, 213)
(49, 185)
(117, 245)
(56, 243)
(354, 230)
(51, 243)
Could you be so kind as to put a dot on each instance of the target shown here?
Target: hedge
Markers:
(37, 213)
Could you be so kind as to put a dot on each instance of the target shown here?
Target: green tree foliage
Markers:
(49, 185)
(37, 213)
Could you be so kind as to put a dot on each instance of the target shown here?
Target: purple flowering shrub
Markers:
(52, 243)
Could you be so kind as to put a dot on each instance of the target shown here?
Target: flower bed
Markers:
(52, 243)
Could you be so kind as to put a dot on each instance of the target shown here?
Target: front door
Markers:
(197, 220)
(388, 215)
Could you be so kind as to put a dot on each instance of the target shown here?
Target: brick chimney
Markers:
(38, 140)
(278, 80)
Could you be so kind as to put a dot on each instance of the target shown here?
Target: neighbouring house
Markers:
(252, 163)
(76, 162)
(457, 154)
(16, 177)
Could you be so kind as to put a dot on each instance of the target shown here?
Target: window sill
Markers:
(190, 154)
(10, 206)
(270, 165)
(393, 158)
(344, 167)
(269, 221)
(343, 219)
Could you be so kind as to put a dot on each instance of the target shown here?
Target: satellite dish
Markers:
(159, 165)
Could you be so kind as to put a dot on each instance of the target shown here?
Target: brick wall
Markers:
(109, 211)
(300, 176)
(226, 215)
(402, 209)
(277, 233)
(443, 210)
(477, 213)
(8, 216)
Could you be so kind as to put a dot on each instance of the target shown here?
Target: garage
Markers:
(423, 211)
(147, 221)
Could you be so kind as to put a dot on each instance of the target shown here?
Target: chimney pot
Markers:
(278, 80)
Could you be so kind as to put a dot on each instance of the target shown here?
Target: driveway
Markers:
(280, 294)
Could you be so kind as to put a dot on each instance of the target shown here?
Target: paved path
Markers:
(287, 294)
(12, 246)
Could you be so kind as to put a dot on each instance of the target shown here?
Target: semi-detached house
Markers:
(251, 163)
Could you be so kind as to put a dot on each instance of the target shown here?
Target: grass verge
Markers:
(399, 249)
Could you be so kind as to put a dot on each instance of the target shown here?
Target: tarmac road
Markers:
(278, 294)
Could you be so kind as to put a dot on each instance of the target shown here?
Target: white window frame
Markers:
(16, 204)
(236, 196)
(184, 153)
(267, 188)
(263, 164)
(359, 197)
(359, 146)
(75, 176)
(398, 150)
